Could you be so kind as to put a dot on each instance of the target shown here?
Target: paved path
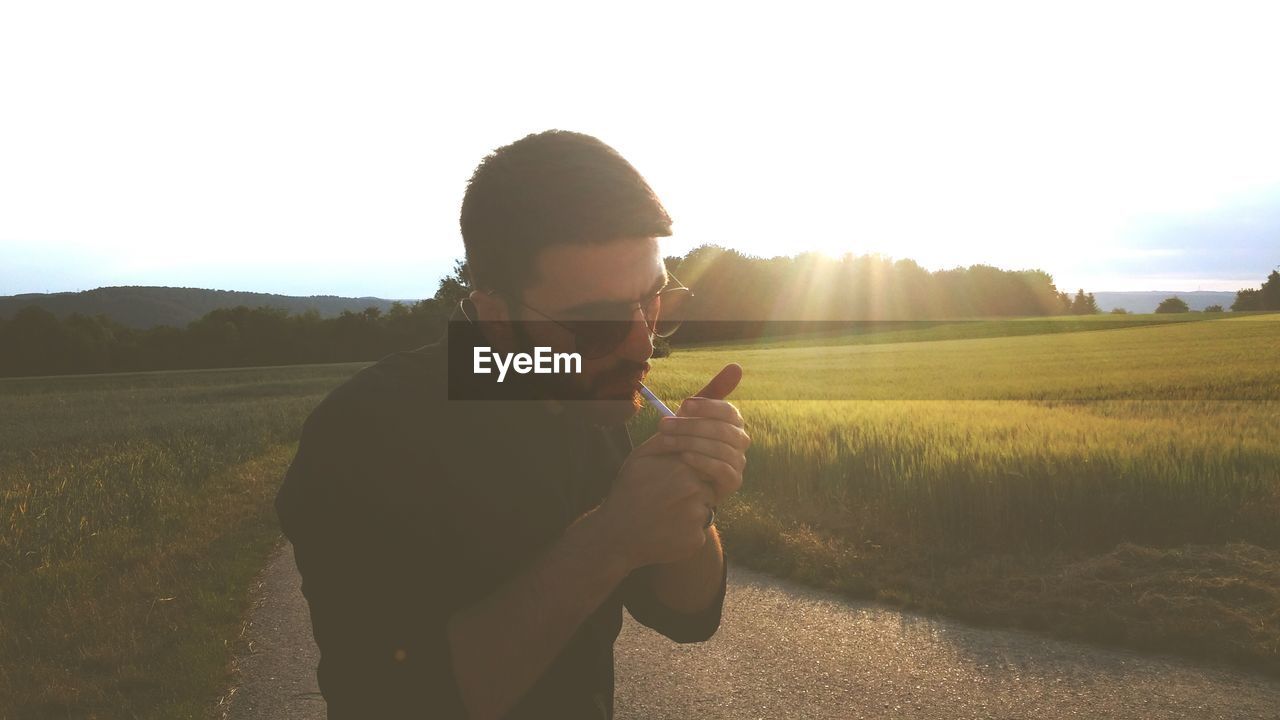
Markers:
(785, 651)
(277, 678)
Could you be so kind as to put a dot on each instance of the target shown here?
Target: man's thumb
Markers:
(723, 383)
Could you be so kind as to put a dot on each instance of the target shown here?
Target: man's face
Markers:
(574, 282)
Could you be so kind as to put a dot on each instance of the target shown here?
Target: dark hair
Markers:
(545, 189)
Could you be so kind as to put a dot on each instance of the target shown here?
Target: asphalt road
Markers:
(785, 651)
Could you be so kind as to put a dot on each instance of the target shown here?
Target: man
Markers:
(466, 547)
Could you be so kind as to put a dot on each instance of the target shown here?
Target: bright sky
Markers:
(323, 148)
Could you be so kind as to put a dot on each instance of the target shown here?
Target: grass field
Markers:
(135, 511)
(1120, 484)
(875, 333)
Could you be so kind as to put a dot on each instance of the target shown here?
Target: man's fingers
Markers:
(711, 448)
(711, 429)
(652, 446)
(723, 383)
(700, 486)
(725, 479)
(708, 433)
(696, 407)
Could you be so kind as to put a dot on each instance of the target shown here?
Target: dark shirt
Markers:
(404, 506)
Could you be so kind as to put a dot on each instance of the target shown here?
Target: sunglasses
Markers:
(602, 329)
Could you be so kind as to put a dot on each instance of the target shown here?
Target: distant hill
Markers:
(145, 307)
(1146, 301)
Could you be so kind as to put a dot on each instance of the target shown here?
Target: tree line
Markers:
(36, 342)
(814, 286)
(738, 295)
(729, 287)
(1266, 297)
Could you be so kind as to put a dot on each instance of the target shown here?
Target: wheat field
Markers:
(1114, 482)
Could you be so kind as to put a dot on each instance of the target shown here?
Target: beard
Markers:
(610, 398)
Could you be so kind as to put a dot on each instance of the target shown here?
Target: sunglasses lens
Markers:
(598, 338)
(671, 310)
(665, 328)
(664, 313)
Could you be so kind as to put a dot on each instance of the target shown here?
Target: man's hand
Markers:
(657, 508)
(658, 505)
(709, 434)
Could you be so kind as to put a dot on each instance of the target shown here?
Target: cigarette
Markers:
(657, 404)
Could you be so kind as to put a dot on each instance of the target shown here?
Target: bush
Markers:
(661, 347)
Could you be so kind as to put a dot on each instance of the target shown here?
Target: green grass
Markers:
(874, 333)
(1222, 359)
(1120, 484)
(136, 509)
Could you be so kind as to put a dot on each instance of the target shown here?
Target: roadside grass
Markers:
(1217, 601)
(136, 511)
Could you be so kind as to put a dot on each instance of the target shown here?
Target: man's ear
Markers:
(494, 318)
(489, 305)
